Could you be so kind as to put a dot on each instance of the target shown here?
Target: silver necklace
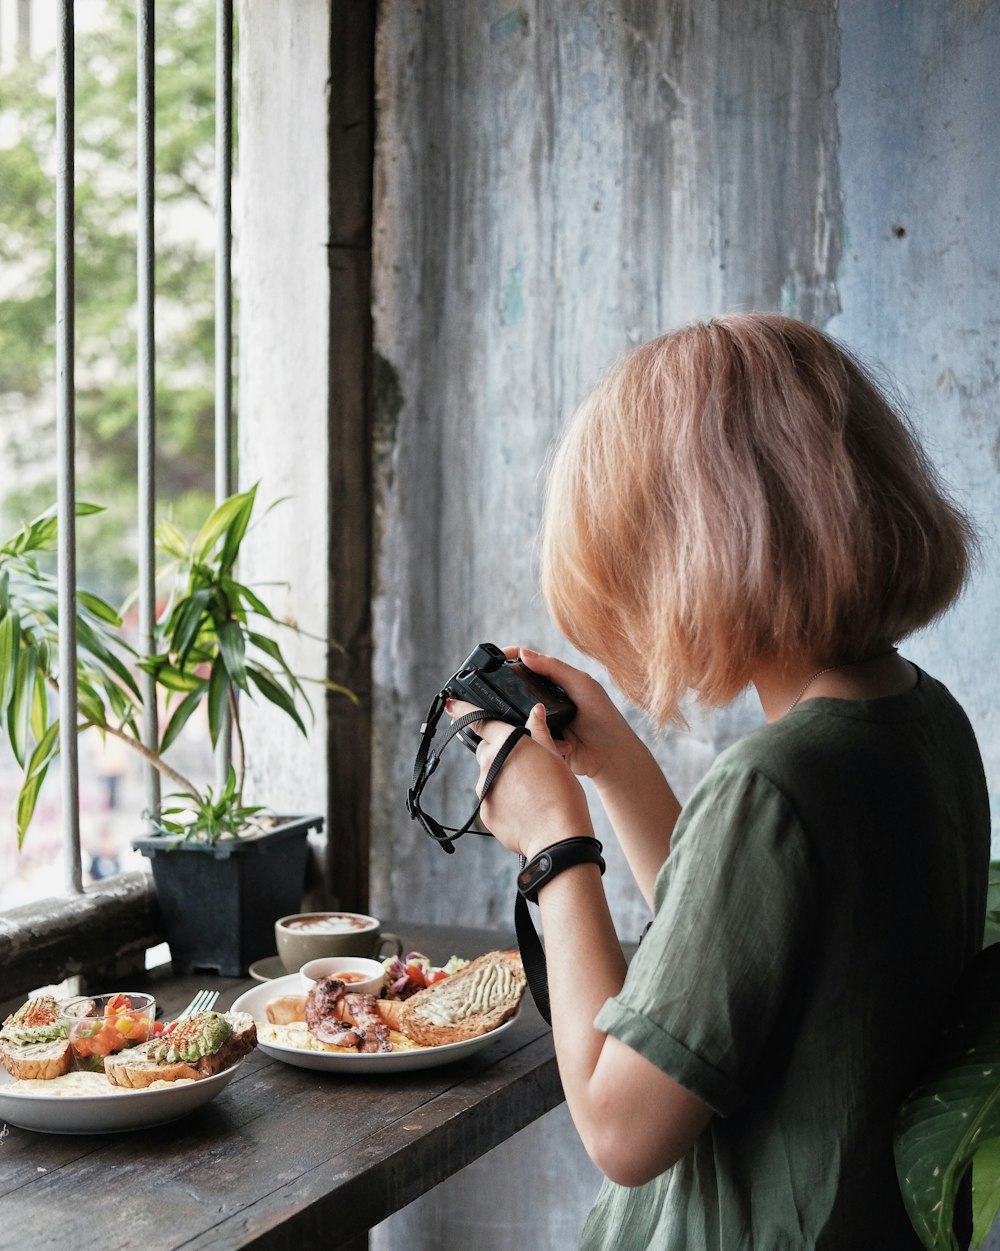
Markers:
(844, 664)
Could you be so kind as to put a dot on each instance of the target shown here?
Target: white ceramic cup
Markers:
(371, 982)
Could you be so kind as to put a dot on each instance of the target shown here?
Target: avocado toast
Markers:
(200, 1046)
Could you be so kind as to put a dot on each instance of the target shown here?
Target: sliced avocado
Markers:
(200, 1035)
(36, 1021)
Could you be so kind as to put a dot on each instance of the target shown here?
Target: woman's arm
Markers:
(634, 1120)
(600, 744)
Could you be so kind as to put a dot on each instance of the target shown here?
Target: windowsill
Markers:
(103, 933)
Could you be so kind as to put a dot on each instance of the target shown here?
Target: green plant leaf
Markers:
(218, 698)
(19, 711)
(985, 1190)
(236, 530)
(181, 716)
(91, 704)
(239, 591)
(271, 690)
(47, 747)
(232, 648)
(216, 524)
(99, 608)
(10, 646)
(956, 1106)
(39, 708)
(170, 540)
(174, 679)
(185, 622)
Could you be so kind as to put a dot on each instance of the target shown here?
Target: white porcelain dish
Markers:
(343, 1062)
(107, 1114)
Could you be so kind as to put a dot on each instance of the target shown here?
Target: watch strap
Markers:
(553, 860)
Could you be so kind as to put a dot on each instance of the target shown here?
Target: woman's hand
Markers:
(598, 741)
(535, 800)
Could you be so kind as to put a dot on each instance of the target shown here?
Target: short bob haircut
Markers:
(741, 491)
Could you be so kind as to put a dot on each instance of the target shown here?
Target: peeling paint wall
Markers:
(556, 182)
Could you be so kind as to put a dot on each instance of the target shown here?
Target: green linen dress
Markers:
(825, 887)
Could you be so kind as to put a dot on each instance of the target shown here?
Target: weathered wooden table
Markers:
(284, 1157)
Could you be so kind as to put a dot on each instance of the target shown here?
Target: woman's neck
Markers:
(782, 685)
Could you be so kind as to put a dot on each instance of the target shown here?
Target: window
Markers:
(132, 359)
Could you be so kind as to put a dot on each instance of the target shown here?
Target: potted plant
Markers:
(224, 870)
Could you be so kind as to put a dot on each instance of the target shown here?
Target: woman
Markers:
(737, 504)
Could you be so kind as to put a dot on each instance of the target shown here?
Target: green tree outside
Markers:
(106, 285)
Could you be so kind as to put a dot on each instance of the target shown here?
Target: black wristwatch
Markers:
(550, 862)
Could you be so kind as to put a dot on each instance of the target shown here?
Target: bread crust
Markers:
(37, 1061)
(468, 1004)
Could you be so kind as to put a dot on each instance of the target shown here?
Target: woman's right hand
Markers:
(598, 741)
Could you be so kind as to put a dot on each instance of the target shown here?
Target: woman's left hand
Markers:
(536, 800)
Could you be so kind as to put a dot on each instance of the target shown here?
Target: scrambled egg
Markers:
(297, 1035)
(81, 1084)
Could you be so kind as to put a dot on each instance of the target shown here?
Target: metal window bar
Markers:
(66, 442)
(146, 411)
(224, 474)
(146, 418)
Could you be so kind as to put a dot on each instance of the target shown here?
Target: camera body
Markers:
(507, 690)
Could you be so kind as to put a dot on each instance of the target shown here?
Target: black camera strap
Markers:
(532, 956)
(427, 761)
(532, 951)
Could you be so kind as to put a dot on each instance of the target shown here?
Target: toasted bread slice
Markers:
(286, 1009)
(37, 1061)
(471, 1002)
(137, 1067)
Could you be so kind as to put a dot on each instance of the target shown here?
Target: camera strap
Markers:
(427, 760)
(532, 956)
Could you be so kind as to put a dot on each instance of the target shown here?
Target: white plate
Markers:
(107, 1114)
(254, 1001)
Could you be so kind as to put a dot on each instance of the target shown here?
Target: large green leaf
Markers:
(955, 1109)
(985, 1190)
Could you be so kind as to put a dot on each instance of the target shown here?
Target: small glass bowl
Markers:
(100, 1025)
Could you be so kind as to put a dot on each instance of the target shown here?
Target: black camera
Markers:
(507, 690)
(504, 689)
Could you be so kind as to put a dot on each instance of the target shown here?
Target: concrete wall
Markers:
(281, 217)
(554, 183)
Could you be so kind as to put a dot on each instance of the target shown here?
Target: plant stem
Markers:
(137, 745)
(234, 719)
(156, 761)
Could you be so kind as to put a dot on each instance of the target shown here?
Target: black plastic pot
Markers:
(219, 904)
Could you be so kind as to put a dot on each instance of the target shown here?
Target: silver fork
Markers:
(203, 1001)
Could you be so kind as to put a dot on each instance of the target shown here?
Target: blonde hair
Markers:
(738, 491)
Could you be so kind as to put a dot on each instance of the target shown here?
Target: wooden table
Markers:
(284, 1157)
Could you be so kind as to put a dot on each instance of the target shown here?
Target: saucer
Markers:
(268, 969)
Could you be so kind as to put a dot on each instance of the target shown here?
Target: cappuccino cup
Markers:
(307, 936)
